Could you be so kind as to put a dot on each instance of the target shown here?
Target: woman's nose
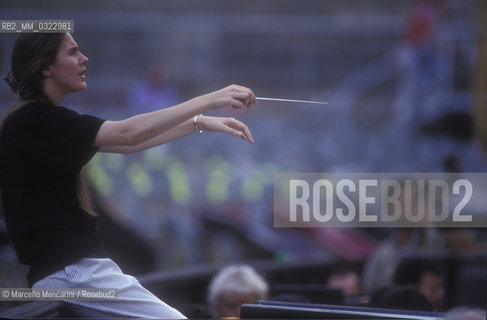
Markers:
(84, 59)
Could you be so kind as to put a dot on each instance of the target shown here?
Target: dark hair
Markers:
(32, 53)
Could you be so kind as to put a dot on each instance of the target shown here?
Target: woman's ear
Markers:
(46, 72)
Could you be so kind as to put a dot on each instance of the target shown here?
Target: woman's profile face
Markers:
(67, 72)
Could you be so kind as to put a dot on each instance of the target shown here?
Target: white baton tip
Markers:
(290, 100)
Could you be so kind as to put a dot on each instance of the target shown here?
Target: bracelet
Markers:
(195, 124)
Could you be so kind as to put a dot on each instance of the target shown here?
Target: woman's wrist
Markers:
(204, 123)
(203, 103)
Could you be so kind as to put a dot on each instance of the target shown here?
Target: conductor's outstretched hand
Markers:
(227, 125)
(233, 95)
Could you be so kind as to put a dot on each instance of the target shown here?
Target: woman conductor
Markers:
(43, 147)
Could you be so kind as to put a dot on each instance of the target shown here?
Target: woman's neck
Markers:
(54, 93)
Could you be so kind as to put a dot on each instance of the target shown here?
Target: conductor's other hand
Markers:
(227, 125)
(233, 95)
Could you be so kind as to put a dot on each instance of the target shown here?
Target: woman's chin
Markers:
(82, 87)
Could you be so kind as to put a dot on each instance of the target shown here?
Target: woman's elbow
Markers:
(130, 137)
(130, 140)
(119, 133)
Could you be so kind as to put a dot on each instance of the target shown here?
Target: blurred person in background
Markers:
(418, 59)
(346, 280)
(379, 268)
(423, 275)
(154, 92)
(43, 148)
(232, 287)
(405, 240)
